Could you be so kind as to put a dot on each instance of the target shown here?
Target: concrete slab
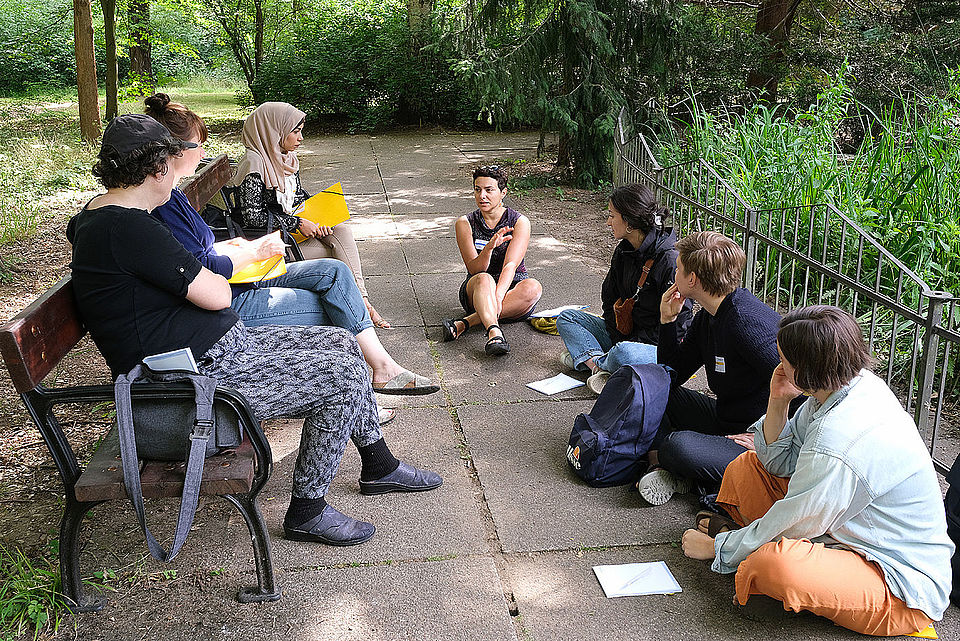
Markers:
(559, 597)
(379, 603)
(442, 523)
(393, 296)
(437, 255)
(367, 226)
(409, 203)
(367, 204)
(436, 224)
(381, 256)
(537, 503)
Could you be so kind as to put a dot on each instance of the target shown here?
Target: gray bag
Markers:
(169, 429)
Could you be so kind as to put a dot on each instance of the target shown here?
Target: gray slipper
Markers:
(406, 383)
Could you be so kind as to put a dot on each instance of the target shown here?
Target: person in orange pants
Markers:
(838, 511)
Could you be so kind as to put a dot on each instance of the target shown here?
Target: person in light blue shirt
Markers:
(839, 510)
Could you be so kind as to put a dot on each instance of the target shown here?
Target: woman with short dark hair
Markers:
(140, 292)
(839, 510)
(642, 268)
(493, 242)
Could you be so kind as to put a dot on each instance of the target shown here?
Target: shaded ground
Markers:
(504, 549)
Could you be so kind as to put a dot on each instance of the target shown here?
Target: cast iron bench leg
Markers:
(262, 555)
(72, 583)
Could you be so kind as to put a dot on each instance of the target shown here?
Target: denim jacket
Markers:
(860, 479)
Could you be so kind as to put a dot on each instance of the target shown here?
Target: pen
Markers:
(641, 574)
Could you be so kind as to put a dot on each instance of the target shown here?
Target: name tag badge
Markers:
(479, 244)
(720, 365)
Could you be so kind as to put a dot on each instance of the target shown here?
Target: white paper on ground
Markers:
(635, 579)
(555, 384)
(549, 313)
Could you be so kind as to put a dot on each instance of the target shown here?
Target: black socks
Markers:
(302, 510)
(376, 461)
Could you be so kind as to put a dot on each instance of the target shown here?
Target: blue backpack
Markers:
(608, 446)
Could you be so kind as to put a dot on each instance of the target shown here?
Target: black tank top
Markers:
(482, 235)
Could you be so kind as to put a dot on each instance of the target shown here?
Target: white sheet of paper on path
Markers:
(555, 384)
(636, 579)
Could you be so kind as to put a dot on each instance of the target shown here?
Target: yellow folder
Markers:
(326, 208)
(261, 270)
(927, 633)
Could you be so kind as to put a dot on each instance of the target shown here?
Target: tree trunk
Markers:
(141, 63)
(86, 71)
(419, 14)
(109, 8)
(774, 21)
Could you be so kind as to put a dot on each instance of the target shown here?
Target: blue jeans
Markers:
(585, 336)
(312, 292)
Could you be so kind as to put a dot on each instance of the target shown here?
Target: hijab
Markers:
(263, 131)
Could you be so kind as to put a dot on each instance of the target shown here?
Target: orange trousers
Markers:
(837, 584)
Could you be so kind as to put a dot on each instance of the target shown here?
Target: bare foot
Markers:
(378, 320)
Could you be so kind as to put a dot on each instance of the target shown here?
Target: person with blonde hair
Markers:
(733, 337)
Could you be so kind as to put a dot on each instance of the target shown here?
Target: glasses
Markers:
(490, 168)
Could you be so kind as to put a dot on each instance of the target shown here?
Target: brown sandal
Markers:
(716, 523)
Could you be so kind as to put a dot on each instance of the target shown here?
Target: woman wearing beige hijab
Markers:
(268, 193)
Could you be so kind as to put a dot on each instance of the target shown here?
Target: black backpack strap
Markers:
(203, 429)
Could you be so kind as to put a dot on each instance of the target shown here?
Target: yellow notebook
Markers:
(261, 270)
(326, 208)
(927, 633)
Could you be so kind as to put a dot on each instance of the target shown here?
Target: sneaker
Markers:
(566, 360)
(658, 486)
(597, 380)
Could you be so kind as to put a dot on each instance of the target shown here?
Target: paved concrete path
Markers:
(504, 549)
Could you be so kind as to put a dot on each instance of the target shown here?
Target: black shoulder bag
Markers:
(171, 429)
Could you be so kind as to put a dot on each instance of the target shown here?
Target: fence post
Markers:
(750, 247)
(930, 349)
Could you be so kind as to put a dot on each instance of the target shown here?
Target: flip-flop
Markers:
(715, 523)
(385, 415)
(378, 321)
(406, 383)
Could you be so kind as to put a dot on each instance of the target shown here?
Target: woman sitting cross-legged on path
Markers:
(312, 292)
(642, 268)
(139, 292)
(493, 242)
(267, 190)
(839, 510)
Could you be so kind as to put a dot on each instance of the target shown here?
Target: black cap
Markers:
(130, 132)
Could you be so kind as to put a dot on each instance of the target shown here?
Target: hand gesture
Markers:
(697, 545)
(671, 304)
(781, 389)
(743, 440)
(269, 245)
(501, 236)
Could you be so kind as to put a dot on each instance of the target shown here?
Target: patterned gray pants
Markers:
(312, 372)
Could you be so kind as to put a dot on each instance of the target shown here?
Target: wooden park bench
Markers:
(35, 341)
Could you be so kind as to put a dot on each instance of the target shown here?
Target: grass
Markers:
(45, 167)
(30, 596)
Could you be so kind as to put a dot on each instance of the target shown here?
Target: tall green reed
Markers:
(902, 184)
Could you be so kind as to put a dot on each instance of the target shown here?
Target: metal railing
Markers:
(798, 256)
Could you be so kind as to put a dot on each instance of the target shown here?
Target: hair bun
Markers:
(157, 102)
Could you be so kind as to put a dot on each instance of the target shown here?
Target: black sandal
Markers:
(450, 332)
(496, 345)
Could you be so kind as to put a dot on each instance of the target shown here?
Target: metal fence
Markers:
(799, 256)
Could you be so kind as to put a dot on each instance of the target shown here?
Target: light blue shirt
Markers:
(860, 479)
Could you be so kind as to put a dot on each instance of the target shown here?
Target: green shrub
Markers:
(353, 61)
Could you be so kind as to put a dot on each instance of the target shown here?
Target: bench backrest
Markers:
(204, 186)
(34, 341)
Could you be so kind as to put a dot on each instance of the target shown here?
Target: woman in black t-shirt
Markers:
(140, 292)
